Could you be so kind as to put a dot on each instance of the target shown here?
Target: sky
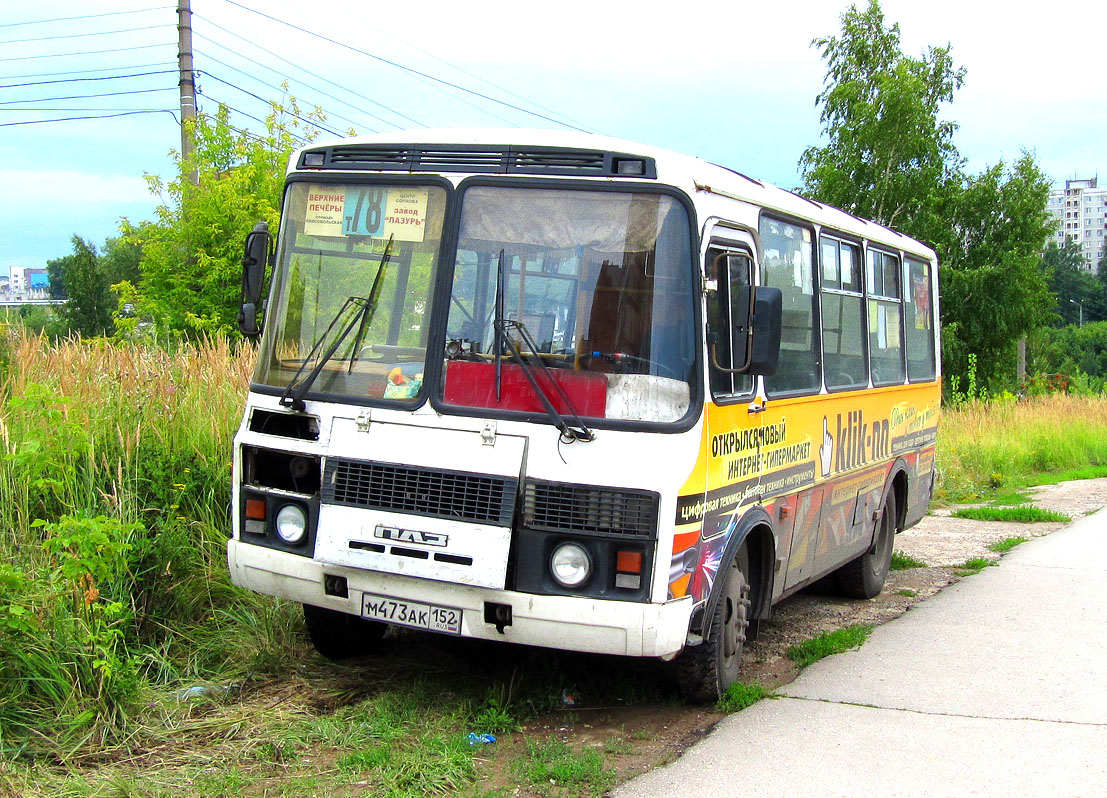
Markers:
(730, 81)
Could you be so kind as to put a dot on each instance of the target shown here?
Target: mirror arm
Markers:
(742, 370)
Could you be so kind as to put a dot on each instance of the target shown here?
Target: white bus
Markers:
(570, 391)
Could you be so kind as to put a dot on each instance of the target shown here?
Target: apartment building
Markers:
(1081, 214)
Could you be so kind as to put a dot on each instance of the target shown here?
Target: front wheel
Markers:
(338, 635)
(707, 670)
(865, 576)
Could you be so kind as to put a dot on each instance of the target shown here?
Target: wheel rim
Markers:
(883, 553)
(733, 618)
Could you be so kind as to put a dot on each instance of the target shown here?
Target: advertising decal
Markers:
(849, 444)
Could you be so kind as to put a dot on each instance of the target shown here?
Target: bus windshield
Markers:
(354, 281)
(591, 290)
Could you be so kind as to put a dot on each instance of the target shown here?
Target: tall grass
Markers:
(114, 491)
(987, 446)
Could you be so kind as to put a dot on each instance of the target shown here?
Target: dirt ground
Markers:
(655, 734)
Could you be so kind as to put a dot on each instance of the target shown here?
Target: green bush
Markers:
(114, 491)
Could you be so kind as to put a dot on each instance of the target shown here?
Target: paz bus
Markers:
(569, 391)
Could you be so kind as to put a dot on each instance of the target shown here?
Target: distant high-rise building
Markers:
(1081, 214)
(26, 281)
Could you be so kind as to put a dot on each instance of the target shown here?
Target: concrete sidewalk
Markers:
(996, 686)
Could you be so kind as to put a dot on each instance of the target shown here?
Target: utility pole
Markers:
(188, 86)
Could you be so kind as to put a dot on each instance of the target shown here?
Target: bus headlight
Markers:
(292, 524)
(570, 565)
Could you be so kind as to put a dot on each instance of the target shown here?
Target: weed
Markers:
(973, 565)
(739, 696)
(553, 764)
(368, 759)
(1025, 514)
(1010, 498)
(813, 650)
(905, 562)
(493, 718)
(908, 592)
(618, 745)
(1005, 545)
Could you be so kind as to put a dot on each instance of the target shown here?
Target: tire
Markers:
(707, 670)
(864, 577)
(338, 636)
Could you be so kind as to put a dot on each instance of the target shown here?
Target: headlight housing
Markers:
(291, 524)
(570, 565)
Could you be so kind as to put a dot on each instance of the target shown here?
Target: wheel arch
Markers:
(897, 487)
(756, 529)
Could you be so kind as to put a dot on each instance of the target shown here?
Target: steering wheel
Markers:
(620, 358)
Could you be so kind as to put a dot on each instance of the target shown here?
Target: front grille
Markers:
(558, 507)
(479, 159)
(420, 491)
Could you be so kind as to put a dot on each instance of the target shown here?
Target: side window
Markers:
(919, 329)
(882, 277)
(725, 385)
(842, 315)
(789, 265)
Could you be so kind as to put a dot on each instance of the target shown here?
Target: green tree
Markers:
(55, 273)
(1073, 288)
(889, 156)
(1101, 272)
(994, 291)
(121, 257)
(88, 311)
(192, 252)
(1070, 350)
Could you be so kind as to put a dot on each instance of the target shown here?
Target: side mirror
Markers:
(747, 319)
(256, 258)
(767, 312)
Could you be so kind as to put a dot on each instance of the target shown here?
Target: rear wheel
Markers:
(707, 670)
(865, 576)
(338, 635)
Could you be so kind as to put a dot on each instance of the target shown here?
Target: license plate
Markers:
(411, 613)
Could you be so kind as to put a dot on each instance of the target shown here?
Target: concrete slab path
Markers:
(996, 686)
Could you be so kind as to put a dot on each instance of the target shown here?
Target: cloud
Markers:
(27, 190)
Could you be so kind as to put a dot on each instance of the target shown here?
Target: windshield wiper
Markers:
(293, 395)
(498, 323)
(578, 430)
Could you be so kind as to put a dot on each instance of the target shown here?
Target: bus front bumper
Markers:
(562, 622)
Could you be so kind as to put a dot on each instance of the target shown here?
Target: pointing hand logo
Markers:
(826, 451)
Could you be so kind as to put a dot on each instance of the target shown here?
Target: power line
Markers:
(83, 35)
(89, 52)
(468, 102)
(278, 88)
(87, 96)
(278, 73)
(86, 71)
(65, 110)
(230, 107)
(80, 80)
(309, 72)
(262, 99)
(85, 16)
(80, 118)
(406, 68)
(473, 75)
(344, 88)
